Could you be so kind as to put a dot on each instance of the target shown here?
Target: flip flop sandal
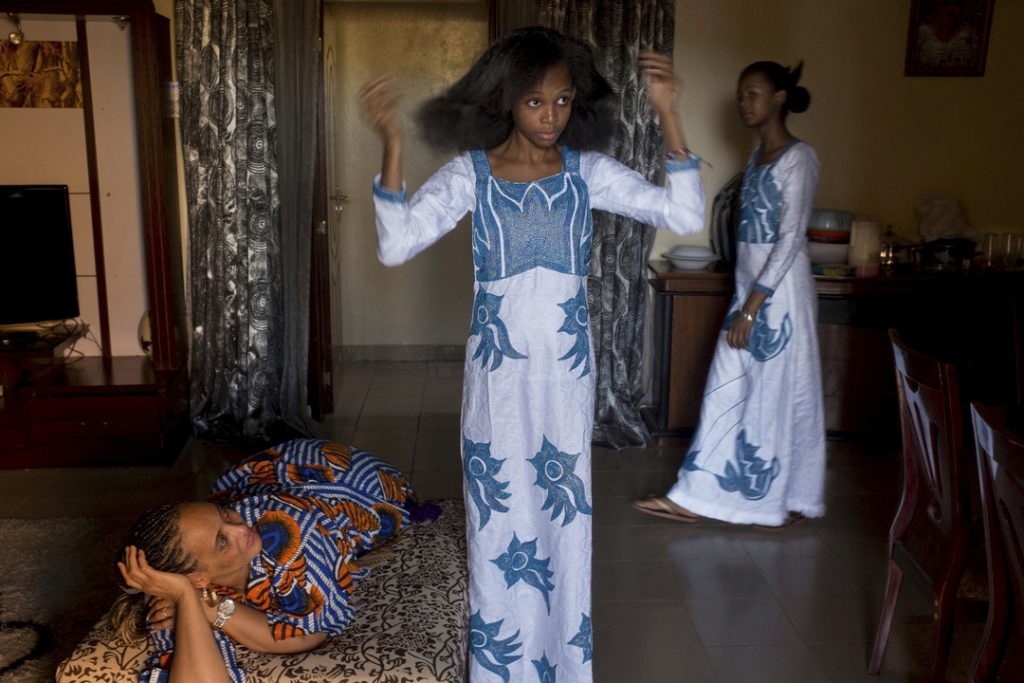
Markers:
(791, 519)
(665, 512)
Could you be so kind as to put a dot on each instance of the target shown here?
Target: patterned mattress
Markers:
(411, 622)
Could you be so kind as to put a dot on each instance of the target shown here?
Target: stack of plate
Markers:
(828, 236)
(690, 258)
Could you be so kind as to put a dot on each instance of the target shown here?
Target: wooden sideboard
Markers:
(973, 320)
(58, 412)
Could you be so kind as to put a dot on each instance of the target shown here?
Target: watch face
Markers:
(226, 607)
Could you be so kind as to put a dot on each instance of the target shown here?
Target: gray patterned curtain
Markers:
(244, 350)
(617, 288)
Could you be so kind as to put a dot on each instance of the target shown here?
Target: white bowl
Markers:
(825, 253)
(831, 219)
(691, 263)
(690, 252)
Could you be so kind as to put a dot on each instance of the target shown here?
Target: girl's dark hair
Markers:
(157, 534)
(476, 112)
(798, 99)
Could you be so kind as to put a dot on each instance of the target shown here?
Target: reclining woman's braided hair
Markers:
(156, 533)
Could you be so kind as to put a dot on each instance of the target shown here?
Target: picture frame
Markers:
(948, 37)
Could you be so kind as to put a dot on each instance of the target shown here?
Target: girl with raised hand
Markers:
(527, 120)
(758, 454)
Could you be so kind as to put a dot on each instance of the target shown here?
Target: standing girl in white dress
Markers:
(758, 454)
(524, 119)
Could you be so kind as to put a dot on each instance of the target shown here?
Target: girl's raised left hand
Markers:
(379, 102)
(663, 85)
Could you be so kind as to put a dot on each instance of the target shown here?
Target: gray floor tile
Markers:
(765, 664)
(440, 442)
(637, 483)
(797, 541)
(438, 421)
(400, 371)
(400, 406)
(672, 602)
(648, 542)
(718, 578)
(431, 484)
(647, 641)
(741, 621)
(632, 580)
(374, 440)
(821, 576)
(395, 388)
(837, 619)
(707, 543)
(391, 423)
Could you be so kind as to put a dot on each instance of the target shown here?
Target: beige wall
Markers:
(882, 138)
(49, 146)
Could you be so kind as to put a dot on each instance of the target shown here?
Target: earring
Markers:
(209, 597)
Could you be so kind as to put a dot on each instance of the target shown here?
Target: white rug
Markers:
(57, 577)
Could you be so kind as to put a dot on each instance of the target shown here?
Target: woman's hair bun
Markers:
(798, 98)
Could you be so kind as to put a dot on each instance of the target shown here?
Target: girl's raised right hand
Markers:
(379, 101)
(138, 574)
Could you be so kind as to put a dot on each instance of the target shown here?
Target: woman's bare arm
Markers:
(196, 655)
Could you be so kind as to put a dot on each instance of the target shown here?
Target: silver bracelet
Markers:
(747, 315)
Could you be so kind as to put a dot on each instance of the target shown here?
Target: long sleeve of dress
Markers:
(404, 229)
(613, 187)
(798, 179)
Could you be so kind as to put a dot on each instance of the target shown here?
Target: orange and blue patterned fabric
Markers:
(317, 506)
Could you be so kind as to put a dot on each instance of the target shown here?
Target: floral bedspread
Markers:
(411, 622)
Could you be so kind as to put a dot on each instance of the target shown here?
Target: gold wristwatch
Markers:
(225, 609)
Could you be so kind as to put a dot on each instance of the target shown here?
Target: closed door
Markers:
(424, 47)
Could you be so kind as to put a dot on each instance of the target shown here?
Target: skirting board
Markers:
(406, 353)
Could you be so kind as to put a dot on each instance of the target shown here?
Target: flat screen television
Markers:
(37, 255)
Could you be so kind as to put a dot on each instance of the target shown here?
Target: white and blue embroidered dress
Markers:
(759, 450)
(528, 400)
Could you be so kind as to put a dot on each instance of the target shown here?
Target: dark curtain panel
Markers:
(617, 287)
(246, 256)
(297, 98)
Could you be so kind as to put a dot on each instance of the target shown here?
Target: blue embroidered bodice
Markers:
(760, 203)
(518, 226)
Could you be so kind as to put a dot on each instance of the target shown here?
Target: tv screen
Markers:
(37, 269)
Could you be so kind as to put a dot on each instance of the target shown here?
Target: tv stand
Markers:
(87, 410)
(26, 356)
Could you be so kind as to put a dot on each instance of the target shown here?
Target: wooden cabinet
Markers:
(112, 409)
(688, 314)
(96, 411)
(974, 321)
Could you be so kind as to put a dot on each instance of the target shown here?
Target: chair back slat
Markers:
(1001, 473)
(932, 432)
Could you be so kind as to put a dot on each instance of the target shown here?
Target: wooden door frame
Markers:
(320, 374)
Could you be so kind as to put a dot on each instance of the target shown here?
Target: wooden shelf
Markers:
(974, 320)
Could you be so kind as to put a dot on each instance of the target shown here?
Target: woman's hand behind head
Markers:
(138, 574)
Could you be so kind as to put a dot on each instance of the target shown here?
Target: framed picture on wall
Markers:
(948, 37)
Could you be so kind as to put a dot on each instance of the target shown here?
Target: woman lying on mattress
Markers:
(268, 562)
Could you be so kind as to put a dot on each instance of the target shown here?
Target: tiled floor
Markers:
(709, 602)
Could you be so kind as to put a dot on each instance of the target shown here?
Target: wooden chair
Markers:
(1000, 655)
(930, 531)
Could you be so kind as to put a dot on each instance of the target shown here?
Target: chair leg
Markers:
(892, 596)
(986, 660)
(945, 601)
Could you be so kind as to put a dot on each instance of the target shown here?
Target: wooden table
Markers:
(971, 319)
